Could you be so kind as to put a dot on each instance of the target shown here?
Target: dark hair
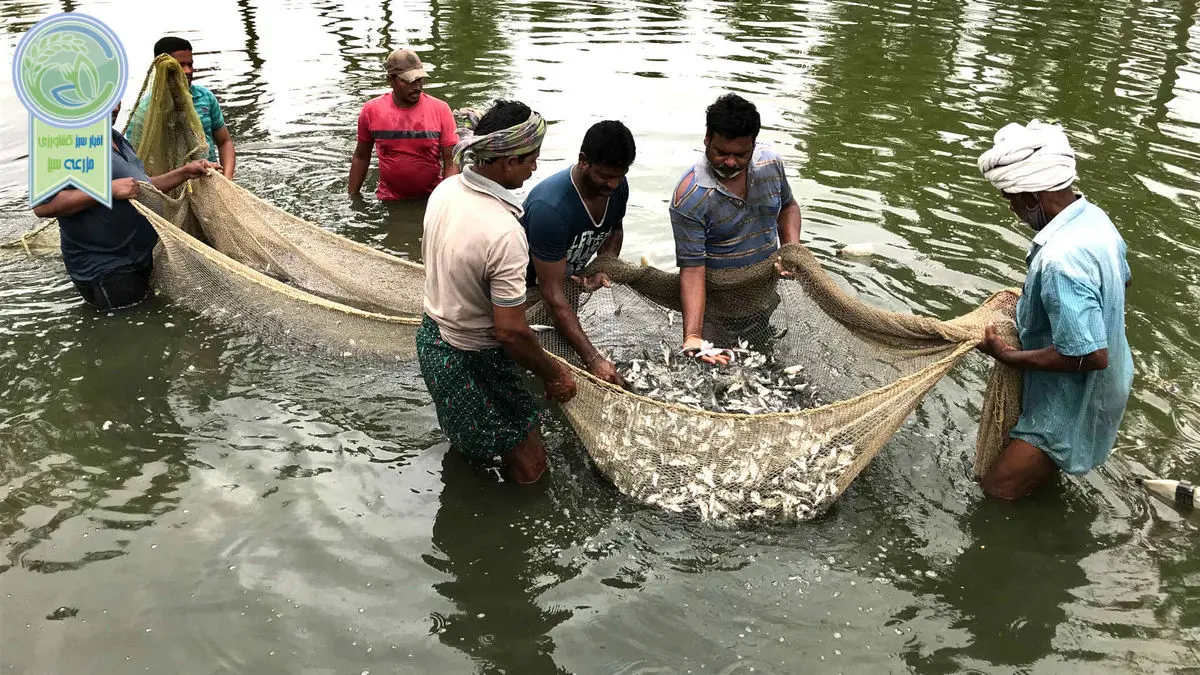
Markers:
(502, 115)
(170, 45)
(609, 143)
(732, 116)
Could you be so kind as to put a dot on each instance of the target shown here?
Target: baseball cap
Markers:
(406, 64)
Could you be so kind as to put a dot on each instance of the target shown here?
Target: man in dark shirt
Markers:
(108, 253)
(569, 218)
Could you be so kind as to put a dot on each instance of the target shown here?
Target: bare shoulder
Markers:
(686, 184)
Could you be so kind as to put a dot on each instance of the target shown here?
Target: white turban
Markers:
(1036, 158)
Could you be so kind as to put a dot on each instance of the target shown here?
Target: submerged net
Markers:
(231, 256)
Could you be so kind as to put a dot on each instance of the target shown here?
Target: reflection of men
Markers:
(108, 253)
(216, 133)
(731, 210)
(413, 132)
(474, 331)
(1078, 368)
(571, 216)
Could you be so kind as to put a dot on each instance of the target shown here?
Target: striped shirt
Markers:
(716, 229)
(1074, 300)
(409, 143)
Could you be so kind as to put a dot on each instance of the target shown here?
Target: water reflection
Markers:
(502, 546)
(1013, 583)
(103, 452)
(880, 110)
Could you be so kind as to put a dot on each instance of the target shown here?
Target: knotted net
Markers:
(227, 254)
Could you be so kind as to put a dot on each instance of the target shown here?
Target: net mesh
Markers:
(228, 255)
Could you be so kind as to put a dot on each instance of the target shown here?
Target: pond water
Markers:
(177, 497)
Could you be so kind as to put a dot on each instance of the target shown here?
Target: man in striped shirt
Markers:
(413, 132)
(733, 209)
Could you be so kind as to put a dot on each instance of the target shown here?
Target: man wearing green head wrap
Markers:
(474, 333)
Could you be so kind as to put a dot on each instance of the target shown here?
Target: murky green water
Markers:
(200, 503)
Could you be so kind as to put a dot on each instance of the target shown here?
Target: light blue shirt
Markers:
(1074, 300)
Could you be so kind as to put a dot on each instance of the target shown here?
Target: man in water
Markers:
(108, 253)
(413, 132)
(570, 217)
(474, 333)
(216, 133)
(731, 210)
(1078, 368)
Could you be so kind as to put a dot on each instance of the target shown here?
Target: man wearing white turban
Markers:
(1076, 362)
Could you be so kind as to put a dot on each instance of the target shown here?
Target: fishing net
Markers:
(228, 255)
(875, 365)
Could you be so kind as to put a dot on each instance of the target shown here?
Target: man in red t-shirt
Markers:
(414, 133)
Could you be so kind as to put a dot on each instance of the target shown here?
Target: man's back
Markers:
(475, 254)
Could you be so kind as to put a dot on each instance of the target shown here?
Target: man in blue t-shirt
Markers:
(216, 133)
(572, 216)
(109, 252)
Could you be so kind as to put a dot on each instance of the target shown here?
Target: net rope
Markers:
(239, 260)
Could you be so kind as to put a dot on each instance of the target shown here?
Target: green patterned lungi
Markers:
(482, 405)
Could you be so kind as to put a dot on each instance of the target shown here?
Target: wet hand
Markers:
(695, 346)
(124, 189)
(993, 345)
(561, 389)
(593, 283)
(782, 272)
(198, 168)
(604, 369)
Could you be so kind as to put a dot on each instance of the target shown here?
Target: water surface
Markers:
(176, 497)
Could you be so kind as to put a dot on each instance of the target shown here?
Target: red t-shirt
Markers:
(409, 143)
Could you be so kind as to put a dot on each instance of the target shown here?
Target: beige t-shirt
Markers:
(475, 254)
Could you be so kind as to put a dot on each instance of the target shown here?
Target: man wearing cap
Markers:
(413, 132)
(1076, 362)
(474, 334)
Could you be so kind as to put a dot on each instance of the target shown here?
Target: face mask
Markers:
(1036, 217)
(723, 173)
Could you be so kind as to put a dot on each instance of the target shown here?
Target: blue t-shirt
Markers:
(98, 240)
(1074, 299)
(207, 109)
(559, 226)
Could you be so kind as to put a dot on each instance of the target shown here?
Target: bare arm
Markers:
(1048, 358)
(360, 161)
(789, 224)
(68, 202)
(449, 168)
(225, 150)
(611, 245)
(520, 345)
(551, 277)
(692, 299)
(173, 179)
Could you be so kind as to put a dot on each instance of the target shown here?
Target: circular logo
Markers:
(70, 70)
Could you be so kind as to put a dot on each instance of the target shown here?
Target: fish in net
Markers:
(229, 255)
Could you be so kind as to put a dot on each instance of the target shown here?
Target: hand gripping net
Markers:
(235, 258)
